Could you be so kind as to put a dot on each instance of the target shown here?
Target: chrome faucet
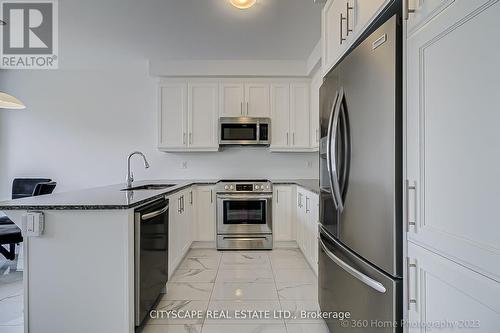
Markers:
(130, 175)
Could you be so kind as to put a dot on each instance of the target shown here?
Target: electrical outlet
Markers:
(184, 165)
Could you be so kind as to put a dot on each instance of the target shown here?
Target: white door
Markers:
(282, 213)
(453, 137)
(299, 113)
(441, 291)
(205, 214)
(173, 115)
(280, 110)
(203, 110)
(333, 30)
(232, 97)
(314, 112)
(257, 100)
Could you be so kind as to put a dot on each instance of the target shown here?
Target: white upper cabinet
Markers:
(188, 116)
(172, 115)
(299, 115)
(245, 99)
(453, 141)
(343, 21)
(333, 32)
(316, 83)
(203, 111)
(280, 111)
(290, 109)
(257, 100)
(232, 98)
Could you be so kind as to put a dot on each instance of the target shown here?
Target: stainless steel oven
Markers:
(244, 215)
(244, 131)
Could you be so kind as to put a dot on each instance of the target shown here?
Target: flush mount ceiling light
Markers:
(10, 102)
(243, 4)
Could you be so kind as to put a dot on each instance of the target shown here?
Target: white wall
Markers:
(84, 118)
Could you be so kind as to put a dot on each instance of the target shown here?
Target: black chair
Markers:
(10, 234)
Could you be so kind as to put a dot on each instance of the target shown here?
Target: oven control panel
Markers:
(259, 187)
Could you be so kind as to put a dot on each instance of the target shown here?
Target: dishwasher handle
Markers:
(151, 215)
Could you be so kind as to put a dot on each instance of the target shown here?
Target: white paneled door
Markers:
(232, 97)
(173, 115)
(299, 113)
(453, 146)
(280, 110)
(203, 110)
(257, 100)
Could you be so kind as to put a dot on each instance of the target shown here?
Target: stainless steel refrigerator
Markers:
(360, 243)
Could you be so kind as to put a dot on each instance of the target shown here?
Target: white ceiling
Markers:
(193, 29)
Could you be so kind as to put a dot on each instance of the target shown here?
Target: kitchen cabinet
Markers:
(290, 109)
(343, 21)
(306, 221)
(180, 227)
(250, 99)
(453, 142)
(205, 215)
(442, 291)
(188, 116)
(316, 83)
(172, 115)
(282, 213)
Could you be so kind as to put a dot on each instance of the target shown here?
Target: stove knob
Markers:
(231, 187)
(226, 187)
(267, 187)
(256, 187)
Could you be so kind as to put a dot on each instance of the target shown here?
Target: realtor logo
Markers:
(29, 35)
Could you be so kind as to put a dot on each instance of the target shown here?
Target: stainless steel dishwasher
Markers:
(151, 256)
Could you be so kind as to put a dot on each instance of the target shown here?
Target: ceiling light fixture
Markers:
(10, 102)
(243, 4)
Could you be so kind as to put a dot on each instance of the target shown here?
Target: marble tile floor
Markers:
(11, 297)
(253, 281)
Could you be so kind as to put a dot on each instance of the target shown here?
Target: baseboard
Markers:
(203, 245)
(285, 245)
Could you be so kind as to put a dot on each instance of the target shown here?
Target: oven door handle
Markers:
(244, 197)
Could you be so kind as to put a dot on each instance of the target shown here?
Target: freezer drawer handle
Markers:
(357, 274)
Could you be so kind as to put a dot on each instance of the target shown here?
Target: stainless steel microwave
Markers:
(244, 131)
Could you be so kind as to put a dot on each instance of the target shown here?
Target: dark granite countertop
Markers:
(112, 196)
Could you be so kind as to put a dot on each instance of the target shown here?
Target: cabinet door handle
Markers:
(293, 138)
(184, 138)
(277, 196)
(411, 205)
(241, 108)
(247, 108)
(287, 138)
(190, 138)
(179, 205)
(317, 135)
(348, 8)
(342, 39)
(211, 196)
(191, 198)
(407, 10)
(409, 266)
(307, 204)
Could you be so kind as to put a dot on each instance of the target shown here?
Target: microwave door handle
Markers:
(352, 271)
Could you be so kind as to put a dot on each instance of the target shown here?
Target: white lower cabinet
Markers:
(442, 292)
(179, 227)
(282, 213)
(204, 214)
(306, 218)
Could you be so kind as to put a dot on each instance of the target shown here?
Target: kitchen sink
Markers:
(149, 187)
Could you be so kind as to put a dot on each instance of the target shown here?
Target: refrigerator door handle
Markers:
(329, 148)
(333, 154)
(355, 273)
(346, 146)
